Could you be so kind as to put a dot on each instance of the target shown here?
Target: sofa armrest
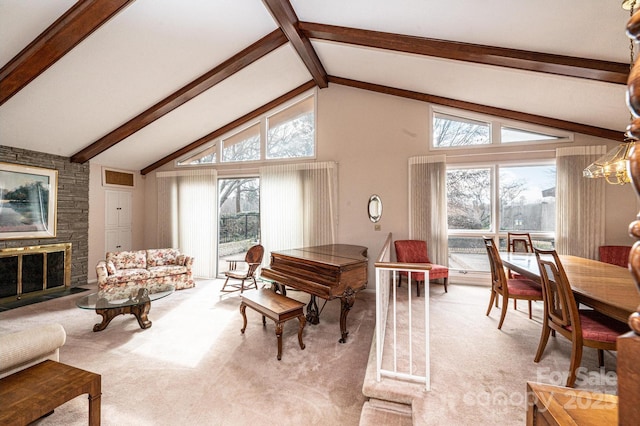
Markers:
(101, 272)
(25, 348)
(188, 262)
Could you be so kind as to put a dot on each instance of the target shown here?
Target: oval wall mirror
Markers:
(375, 208)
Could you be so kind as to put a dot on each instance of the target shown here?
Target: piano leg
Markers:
(313, 315)
(346, 300)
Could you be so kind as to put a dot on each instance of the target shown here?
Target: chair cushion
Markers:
(437, 271)
(599, 327)
(524, 287)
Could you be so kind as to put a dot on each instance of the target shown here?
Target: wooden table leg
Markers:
(94, 409)
(141, 313)
(243, 309)
(279, 337)
(303, 321)
(107, 315)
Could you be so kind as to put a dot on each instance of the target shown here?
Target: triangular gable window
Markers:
(451, 130)
(511, 134)
(206, 156)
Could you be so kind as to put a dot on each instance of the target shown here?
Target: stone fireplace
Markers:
(34, 270)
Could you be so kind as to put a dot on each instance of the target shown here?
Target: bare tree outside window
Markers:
(247, 149)
(291, 139)
(239, 201)
(449, 131)
(469, 198)
(493, 199)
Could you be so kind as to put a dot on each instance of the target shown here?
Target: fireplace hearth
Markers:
(34, 271)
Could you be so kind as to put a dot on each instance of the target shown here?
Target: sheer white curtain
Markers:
(188, 216)
(428, 205)
(580, 202)
(298, 205)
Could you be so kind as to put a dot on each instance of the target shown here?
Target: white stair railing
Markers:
(403, 324)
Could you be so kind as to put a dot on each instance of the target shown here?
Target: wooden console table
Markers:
(36, 391)
(556, 405)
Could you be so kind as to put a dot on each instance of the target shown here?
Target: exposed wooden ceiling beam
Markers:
(64, 34)
(232, 65)
(286, 17)
(230, 126)
(483, 109)
(610, 72)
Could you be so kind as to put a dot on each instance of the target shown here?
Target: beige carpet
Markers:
(194, 367)
(479, 373)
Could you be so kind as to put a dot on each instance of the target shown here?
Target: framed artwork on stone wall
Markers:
(28, 202)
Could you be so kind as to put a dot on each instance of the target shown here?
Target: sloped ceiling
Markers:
(150, 50)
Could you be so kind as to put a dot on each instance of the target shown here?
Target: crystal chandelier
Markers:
(613, 165)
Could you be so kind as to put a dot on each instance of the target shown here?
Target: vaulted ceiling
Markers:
(133, 84)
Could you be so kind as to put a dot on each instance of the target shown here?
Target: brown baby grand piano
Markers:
(328, 271)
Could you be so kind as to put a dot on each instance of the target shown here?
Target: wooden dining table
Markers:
(604, 287)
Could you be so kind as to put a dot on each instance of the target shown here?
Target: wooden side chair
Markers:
(246, 272)
(415, 251)
(584, 327)
(508, 288)
(615, 255)
(518, 242)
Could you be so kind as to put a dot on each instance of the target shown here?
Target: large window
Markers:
(239, 218)
(527, 198)
(492, 200)
(284, 133)
(469, 198)
(493, 197)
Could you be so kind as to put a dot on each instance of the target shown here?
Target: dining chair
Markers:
(615, 255)
(415, 251)
(244, 270)
(518, 242)
(508, 288)
(583, 327)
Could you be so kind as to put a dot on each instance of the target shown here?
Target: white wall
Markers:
(371, 136)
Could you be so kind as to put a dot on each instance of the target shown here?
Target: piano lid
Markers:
(335, 254)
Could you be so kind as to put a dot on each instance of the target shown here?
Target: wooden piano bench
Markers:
(277, 307)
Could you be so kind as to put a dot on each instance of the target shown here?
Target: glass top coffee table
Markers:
(134, 300)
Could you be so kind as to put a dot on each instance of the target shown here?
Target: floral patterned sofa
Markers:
(154, 269)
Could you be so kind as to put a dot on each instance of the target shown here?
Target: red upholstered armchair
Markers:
(415, 251)
(616, 255)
